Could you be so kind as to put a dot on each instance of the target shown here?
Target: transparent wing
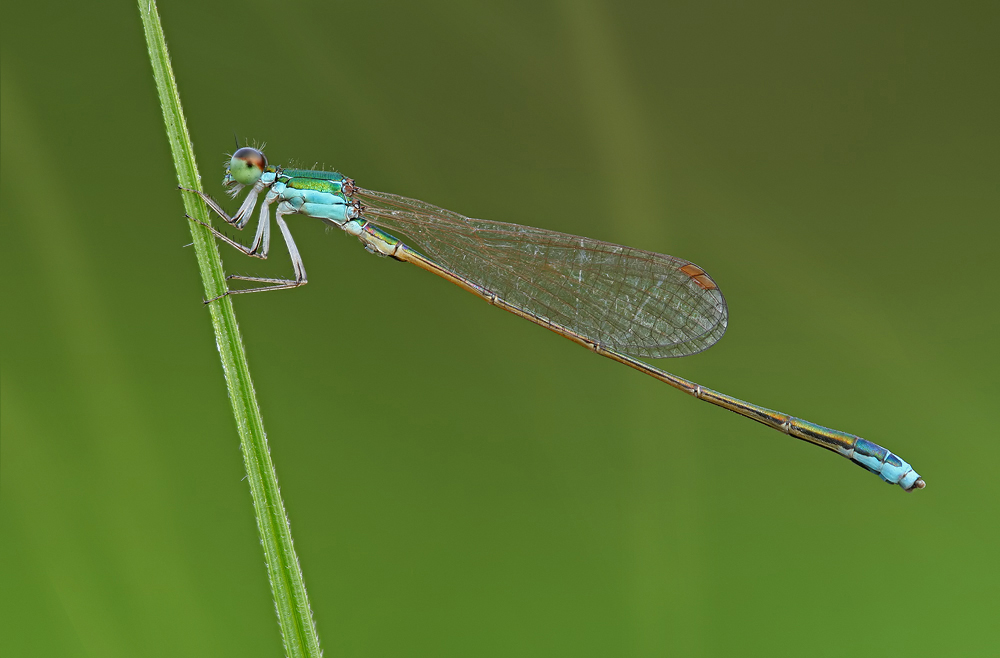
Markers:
(636, 302)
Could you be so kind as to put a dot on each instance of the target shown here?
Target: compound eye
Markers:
(247, 165)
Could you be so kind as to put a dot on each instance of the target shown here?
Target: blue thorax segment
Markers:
(318, 194)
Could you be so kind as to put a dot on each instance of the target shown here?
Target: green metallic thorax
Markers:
(331, 182)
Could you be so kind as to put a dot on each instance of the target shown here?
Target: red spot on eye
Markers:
(698, 276)
(252, 157)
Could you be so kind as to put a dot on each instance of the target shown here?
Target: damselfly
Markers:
(619, 302)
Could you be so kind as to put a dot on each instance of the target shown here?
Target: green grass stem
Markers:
(298, 631)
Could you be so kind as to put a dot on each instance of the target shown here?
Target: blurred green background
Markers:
(461, 482)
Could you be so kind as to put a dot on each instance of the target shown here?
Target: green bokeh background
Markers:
(461, 482)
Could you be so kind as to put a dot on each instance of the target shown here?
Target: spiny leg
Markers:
(260, 246)
(242, 216)
(297, 265)
(261, 240)
(249, 251)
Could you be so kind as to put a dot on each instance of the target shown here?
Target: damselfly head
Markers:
(246, 167)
